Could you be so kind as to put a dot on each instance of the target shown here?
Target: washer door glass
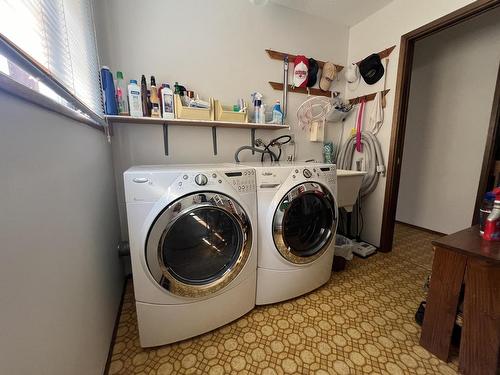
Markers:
(304, 223)
(201, 245)
(198, 244)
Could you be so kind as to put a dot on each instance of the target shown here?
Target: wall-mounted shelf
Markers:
(275, 55)
(383, 54)
(218, 124)
(193, 123)
(301, 90)
(367, 97)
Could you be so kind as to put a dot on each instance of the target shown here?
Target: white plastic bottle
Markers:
(167, 102)
(134, 99)
(262, 114)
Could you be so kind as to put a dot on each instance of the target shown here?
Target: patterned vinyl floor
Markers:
(360, 322)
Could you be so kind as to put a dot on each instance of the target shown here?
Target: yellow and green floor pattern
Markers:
(360, 322)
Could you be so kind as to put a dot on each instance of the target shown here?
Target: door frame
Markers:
(407, 47)
(489, 150)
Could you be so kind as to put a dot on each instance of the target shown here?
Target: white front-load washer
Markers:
(297, 221)
(193, 237)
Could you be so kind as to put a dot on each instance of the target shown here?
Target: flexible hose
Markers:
(256, 149)
(373, 156)
(274, 142)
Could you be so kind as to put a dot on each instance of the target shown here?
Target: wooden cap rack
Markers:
(275, 55)
(383, 54)
(301, 90)
(367, 98)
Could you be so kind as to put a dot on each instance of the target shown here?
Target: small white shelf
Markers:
(111, 120)
(218, 124)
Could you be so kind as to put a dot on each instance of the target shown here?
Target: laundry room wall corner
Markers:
(60, 277)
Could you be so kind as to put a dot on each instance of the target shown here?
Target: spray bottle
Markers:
(257, 103)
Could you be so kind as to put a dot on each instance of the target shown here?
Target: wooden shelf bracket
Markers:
(367, 98)
(301, 90)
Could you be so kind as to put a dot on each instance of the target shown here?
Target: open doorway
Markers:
(444, 99)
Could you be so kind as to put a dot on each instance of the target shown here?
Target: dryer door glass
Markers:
(201, 245)
(198, 244)
(304, 223)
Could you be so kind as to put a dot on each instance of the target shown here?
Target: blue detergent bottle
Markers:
(108, 92)
(277, 114)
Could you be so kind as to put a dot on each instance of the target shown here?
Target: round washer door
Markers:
(304, 223)
(198, 244)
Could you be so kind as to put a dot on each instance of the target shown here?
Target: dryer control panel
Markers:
(315, 172)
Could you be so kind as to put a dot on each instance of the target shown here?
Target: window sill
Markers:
(12, 87)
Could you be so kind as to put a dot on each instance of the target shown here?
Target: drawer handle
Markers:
(268, 186)
(140, 180)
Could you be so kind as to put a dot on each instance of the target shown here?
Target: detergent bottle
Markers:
(108, 91)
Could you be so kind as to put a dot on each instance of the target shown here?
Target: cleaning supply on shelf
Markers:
(144, 97)
(262, 114)
(134, 99)
(277, 114)
(121, 99)
(160, 97)
(257, 103)
(108, 91)
(154, 99)
(167, 102)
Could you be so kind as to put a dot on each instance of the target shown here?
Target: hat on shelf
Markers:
(371, 69)
(327, 76)
(300, 71)
(313, 72)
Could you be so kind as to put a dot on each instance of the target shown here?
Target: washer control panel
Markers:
(241, 180)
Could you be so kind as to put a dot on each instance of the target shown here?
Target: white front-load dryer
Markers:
(297, 221)
(193, 237)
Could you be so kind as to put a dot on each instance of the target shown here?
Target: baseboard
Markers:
(420, 228)
(115, 329)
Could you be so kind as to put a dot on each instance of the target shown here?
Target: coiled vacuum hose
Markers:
(256, 149)
(373, 156)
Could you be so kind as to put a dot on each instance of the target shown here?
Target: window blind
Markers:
(59, 36)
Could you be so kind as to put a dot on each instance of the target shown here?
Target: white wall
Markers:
(453, 83)
(217, 48)
(377, 32)
(60, 279)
